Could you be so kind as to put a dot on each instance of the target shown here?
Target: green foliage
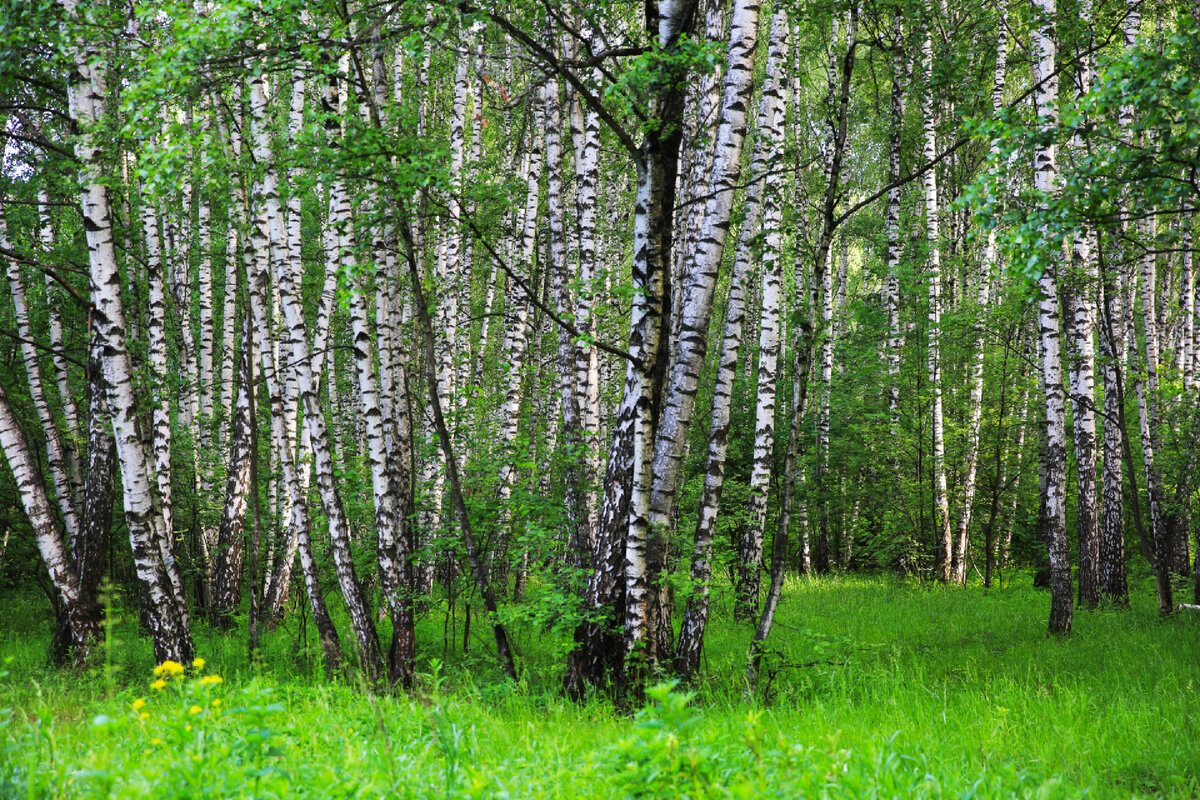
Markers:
(920, 692)
(659, 69)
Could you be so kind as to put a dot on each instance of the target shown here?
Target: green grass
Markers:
(877, 688)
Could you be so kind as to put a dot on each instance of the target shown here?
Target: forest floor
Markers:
(876, 687)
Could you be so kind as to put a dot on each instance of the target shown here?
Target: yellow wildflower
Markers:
(144, 715)
(156, 741)
(195, 710)
(139, 703)
(159, 684)
(187, 727)
(209, 680)
(169, 669)
(216, 703)
(198, 663)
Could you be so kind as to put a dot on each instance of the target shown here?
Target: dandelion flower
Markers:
(195, 710)
(209, 680)
(159, 684)
(138, 704)
(216, 703)
(144, 715)
(156, 741)
(198, 663)
(187, 727)
(169, 669)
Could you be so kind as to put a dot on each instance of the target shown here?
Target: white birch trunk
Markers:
(975, 403)
(751, 545)
(67, 493)
(700, 272)
(1081, 310)
(150, 537)
(1044, 50)
(933, 236)
(62, 375)
(695, 617)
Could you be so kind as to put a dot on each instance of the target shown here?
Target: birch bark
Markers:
(1081, 312)
(751, 545)
(941, 503)
(695, 617)
(1044, 46)
(975, 403)
(150, 537)
(700, 271)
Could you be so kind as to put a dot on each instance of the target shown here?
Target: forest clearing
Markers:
(879, 688)
(677, 398)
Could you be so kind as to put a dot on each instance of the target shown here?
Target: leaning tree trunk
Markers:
(79, 613)
(66, 489)
(150, 538)
(695, 617)
(779, 551)
(700, 272)
(262, 247)
(361, 619)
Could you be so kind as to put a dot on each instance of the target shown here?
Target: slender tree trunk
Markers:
(585, 130)
(481, 581)
(227, 573)
(822, 278)
(150, 536)
(975, 403)
(1044, 50)
(1081, 314)
(695, 617)
(66, 489)
(894, 248)
(58, 357)
(780, 549)
(751, 545)
(941, 499)
(700, 271)
(579, 551)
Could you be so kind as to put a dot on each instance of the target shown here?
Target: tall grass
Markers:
(874, 687)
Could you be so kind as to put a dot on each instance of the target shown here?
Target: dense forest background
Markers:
(565, 313)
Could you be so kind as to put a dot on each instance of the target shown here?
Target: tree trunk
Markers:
(941, 499)
(695, 618)
(751, 545)
(150, 536)
(1081, 315)
(227, 572)
(975, 403)
(822, 289)
(1044, 49)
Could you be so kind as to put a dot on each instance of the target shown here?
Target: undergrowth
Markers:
(873, 687)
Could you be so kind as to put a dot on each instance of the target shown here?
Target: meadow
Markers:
(875, 687)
